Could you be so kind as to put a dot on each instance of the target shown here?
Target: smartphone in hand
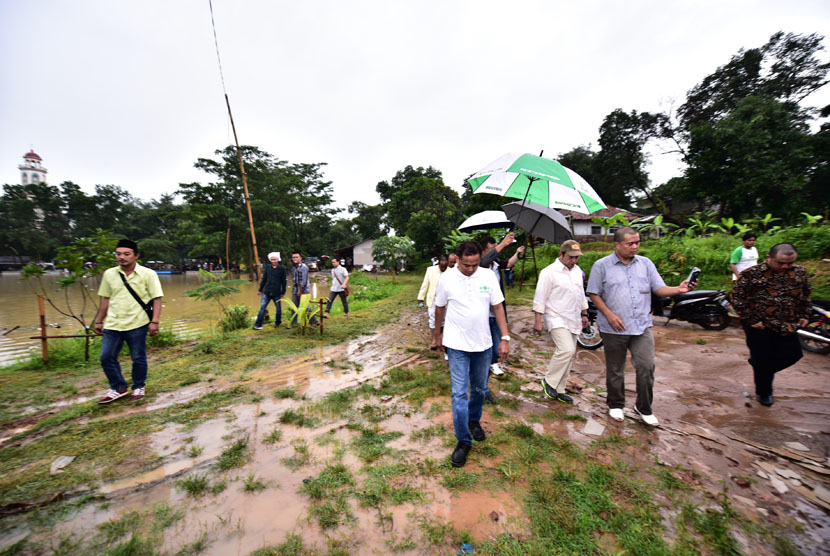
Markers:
(693, 275)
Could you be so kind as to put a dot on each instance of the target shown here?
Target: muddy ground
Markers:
(774, 461)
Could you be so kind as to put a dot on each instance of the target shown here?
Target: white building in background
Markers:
(32, 170)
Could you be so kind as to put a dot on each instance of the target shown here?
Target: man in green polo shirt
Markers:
(122, 319)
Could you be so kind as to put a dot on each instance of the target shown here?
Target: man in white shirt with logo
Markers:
(560, 301)
(465, 296)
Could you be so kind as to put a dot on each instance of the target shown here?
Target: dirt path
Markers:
(774, 461)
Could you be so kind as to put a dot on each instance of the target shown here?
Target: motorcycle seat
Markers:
(696, 294)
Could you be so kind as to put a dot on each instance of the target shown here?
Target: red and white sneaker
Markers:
(138, 393)
(113, 395)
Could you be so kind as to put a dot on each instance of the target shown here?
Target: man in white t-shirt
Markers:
(465, 295)
(744, 256)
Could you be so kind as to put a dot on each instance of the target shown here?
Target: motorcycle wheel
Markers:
(590, 339)
(715, 317)
(820, 327)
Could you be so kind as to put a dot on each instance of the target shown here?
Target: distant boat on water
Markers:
(162, 267)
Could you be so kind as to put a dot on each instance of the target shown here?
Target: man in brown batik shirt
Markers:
(773, 300)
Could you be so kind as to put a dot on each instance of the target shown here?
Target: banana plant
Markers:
(764, 221)
(304, 312)
(655, 225)
(607, 221)
(813, 219)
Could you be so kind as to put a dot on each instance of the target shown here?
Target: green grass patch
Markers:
(301, 456)
(234, 455)
(370, 445)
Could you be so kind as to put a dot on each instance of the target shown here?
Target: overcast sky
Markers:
(129, 93)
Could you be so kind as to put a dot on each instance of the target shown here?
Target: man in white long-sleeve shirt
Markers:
(560, 301)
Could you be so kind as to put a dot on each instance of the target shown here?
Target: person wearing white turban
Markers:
(272, 288)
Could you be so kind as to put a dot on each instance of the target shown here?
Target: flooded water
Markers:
(187, 316)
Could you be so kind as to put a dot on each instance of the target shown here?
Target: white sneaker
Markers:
(650, 419)
(496, 370)
(616, 414)
(257, 328)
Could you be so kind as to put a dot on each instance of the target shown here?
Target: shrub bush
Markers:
(235, 317)
(675, 256)
(166, 337)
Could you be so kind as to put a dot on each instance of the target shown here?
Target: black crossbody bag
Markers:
(148, 307)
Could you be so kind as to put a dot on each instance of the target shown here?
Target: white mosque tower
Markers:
(32, 171)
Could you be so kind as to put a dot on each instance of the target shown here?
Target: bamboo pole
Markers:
(245, 186)
(228, 247)
(67, 336)
(42, 311)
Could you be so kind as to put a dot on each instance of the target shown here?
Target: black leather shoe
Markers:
(476, 431)
(564, 398)
(459, 455)
(549, 392)
(765, 400)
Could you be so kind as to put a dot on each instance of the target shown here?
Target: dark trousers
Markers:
(770, 352)
(111, 344)
(642, 357)
(333, 296)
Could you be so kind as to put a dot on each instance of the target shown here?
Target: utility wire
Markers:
(216, 42)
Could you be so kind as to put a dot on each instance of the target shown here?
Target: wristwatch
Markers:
(506, 338)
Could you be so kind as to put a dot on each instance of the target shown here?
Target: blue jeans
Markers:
(496, 335)
(263, 306)
(468, 373)
(111, 344)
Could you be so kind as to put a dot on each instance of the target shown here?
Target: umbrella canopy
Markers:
(486, 220)
(539, 221)
(540, 180)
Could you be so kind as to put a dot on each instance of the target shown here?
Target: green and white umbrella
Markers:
(538, 180)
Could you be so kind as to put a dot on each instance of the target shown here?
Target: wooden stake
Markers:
(42, 311)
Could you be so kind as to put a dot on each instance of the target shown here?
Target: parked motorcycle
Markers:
(815, 336)
(708, 308)
(589, 338)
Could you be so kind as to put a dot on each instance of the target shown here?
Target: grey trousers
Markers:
(642, 357)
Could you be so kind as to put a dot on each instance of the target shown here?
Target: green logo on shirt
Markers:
(484, 289)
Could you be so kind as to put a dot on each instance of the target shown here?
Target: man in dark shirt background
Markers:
(272, 288)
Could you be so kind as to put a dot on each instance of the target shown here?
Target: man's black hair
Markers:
(786, 249)
(443, 257)
(296, 253)
(749, 235)
(485, 241)
(468, 248)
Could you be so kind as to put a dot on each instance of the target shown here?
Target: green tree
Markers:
(289, 202)
(743, 131)
(32, 221)
(756, 159)
(97, 249)
(369, 221)
(420, 206)
(620, 165)
(393, 251)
